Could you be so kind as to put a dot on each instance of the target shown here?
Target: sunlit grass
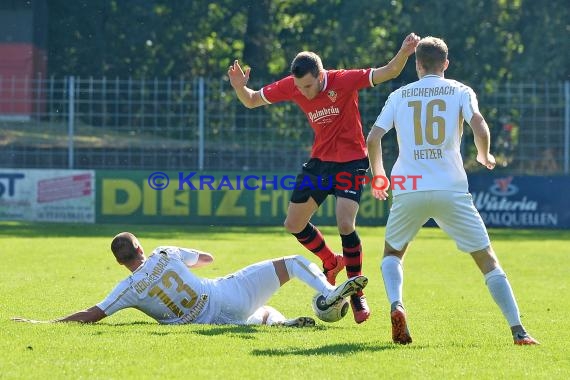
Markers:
(50, 270)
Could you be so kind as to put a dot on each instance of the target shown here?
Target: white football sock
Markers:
(393, 275)
(502, 293)
(308, 272)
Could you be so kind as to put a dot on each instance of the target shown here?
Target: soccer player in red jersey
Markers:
(329, 99)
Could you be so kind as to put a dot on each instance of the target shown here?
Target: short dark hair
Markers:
(431, 53)
(125, 247)
(306, 62)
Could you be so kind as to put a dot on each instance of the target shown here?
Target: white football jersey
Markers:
(428, 116)
(165, 289)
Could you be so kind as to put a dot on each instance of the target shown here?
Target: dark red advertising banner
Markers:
(23, 57)
(21, 68)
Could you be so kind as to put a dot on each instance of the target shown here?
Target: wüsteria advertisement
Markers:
(522, 202)
(47, 195)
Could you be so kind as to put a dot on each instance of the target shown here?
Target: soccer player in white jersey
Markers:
(428, 117)
(163, 287)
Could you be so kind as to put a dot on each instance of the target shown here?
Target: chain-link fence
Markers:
(177, 124)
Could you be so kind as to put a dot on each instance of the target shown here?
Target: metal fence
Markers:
(178, 124)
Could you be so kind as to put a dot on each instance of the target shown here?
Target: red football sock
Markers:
(352, 252)
(313, 240)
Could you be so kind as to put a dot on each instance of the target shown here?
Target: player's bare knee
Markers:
(391, 251)
(281, 271)
(485, 259)
(291, 227)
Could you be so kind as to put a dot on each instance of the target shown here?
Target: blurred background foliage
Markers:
(154, 72)
(489, 40)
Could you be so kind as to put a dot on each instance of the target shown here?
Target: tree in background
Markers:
(544, 54)
(491, 40)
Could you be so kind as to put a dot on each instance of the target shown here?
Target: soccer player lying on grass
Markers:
(163, 287)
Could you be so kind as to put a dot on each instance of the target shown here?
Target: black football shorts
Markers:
(319, 178)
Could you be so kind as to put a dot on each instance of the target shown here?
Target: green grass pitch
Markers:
(51, 270)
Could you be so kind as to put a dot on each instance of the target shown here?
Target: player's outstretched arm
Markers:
(204, 258)
(393, 68)
(238, 79)
(91, 315)
(380, 183)
(482, 138)
(194, 258)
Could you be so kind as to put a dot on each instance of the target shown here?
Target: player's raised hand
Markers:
(237, 76)
(487, 160)
(410, 43)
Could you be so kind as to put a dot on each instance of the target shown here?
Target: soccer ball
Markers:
(332, 313)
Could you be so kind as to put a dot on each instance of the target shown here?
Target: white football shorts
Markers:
(453, 212)
(245, 291)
